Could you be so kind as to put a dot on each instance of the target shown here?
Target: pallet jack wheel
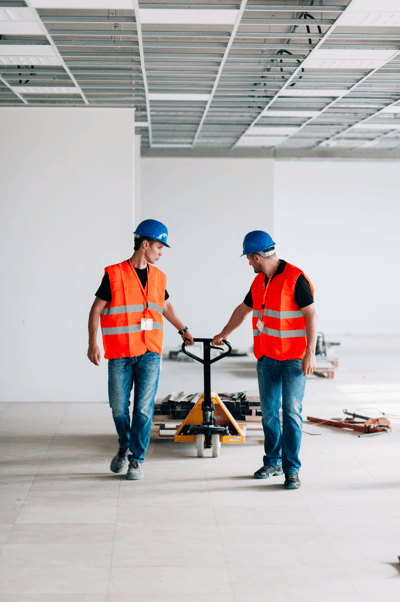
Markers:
(216, 446)
(200, 446)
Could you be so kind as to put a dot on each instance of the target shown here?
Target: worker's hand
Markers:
(187, 338)
(308, 363)
(218, 340)
(94, 354)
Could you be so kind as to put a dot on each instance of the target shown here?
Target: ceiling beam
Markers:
(224, 58)
(142, 63)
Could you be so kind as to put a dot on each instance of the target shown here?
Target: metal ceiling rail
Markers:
(231, 39)
(142, 63)
(290, 79)
(327, 8)
(54, 47)
(86, 19)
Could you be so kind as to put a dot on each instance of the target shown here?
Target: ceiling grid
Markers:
(278, 76)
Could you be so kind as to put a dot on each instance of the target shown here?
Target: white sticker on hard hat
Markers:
(146, 324)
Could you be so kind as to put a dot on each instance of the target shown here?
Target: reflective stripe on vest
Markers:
(283, 334)
(127, 329)
(281, 315)
(127, 309)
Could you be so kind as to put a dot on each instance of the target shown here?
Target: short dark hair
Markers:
(139, 240)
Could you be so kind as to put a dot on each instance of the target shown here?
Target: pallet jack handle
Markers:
(207, 346)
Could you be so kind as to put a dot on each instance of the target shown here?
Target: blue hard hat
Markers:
(256, 241)
(151, 228)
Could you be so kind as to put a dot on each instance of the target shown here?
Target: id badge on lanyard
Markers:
(146, 324)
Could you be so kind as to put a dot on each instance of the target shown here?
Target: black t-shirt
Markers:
(302, 291)
(104, 290)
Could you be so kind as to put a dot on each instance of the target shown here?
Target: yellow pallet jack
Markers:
(209, 423)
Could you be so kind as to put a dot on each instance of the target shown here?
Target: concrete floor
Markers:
(204, 529)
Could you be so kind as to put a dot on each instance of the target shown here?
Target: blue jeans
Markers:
(123, 373)
(284, 380)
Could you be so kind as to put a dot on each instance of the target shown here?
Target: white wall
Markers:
(340, 222)
(66, 212)
(208, 206)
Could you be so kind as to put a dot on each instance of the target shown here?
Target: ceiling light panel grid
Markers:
(101, 49)
(367, 100)
(273, 39)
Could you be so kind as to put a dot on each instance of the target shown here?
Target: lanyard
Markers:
(266, 288)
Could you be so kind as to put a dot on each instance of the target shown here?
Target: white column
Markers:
(66, 213)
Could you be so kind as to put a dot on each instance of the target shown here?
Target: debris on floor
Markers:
(365, 425)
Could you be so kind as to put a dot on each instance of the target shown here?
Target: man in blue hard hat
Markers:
(130, 304)
(285, 333)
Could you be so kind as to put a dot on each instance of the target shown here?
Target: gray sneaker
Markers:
(118, 462)
(268, 471)
(135, 471)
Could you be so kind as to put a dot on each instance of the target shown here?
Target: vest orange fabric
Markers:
(121, 319)
(283, 332)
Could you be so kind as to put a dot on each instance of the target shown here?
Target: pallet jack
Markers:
(209, 423)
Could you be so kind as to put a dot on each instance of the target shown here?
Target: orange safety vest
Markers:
(282, 335)
(121, 318)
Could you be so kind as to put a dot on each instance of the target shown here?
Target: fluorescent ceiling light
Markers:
(344, 143)
(394, 109)
(141, 124)
(272, 113)
(261, 140)
(26, 50)
(172, 146)
(312, 92)
(180, 97)
(377, 126)
(370, 13)
(29, 60)
(271, 129)
(347, 59)
(16, 14)
(84, 4)
(18, 21)
(177, 16)
(28, 55)
(45, 90)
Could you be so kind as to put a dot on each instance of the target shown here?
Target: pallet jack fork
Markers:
(209, 423)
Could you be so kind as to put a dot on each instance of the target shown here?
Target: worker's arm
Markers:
(237, 318)
(94, 353)
(309, 363)
(171, 315)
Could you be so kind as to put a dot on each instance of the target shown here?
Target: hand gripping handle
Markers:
(205, 341)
